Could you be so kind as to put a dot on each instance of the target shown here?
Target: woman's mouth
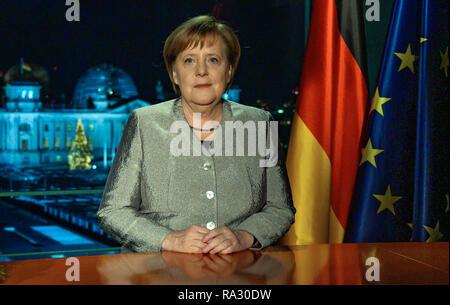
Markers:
(202, 86)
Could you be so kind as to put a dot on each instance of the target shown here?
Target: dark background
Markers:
(130, 35)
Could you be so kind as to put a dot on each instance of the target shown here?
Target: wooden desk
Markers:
(399, 263)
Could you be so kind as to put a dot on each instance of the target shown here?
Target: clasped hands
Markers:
(196, 239)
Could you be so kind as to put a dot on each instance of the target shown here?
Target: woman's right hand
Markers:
(188, 240)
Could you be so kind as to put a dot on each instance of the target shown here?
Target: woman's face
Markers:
(202, 74)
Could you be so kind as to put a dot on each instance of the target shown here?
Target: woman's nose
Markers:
(202, 69)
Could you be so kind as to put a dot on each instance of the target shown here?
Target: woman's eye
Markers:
(188, 60)
(214, 60)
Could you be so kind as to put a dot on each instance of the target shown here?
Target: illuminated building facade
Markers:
(34, 136)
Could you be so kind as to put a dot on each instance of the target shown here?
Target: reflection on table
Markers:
(398, 263)
(246, 267)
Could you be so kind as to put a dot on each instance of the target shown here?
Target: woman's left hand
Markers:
(223, 240)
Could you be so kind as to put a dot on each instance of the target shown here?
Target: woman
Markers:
(156, 199)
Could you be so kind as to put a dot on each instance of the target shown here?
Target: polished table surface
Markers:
(322, 264)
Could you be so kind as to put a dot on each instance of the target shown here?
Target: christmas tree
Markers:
(79, 155)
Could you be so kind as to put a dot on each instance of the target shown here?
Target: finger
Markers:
(225, 244)
(200, 229)
(197, 236)
(213, 243)
(211, 234)
(228, 250)
(199, 244)
(194, 249)
(226, 229)
(229, 234)
(194, 235)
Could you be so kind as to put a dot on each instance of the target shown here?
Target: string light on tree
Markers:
(79, 155)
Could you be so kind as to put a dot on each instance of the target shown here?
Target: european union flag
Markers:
(401, 193)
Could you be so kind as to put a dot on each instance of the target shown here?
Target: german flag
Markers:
(324, 148)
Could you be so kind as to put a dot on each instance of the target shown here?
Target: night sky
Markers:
(130, 35)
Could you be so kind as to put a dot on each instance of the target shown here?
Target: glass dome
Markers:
(103, 82)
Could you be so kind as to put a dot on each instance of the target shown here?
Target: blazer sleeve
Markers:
(277, 215)
(118, 213)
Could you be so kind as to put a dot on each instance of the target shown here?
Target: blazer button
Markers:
(211, 225)
(206, 166)
(210, 194)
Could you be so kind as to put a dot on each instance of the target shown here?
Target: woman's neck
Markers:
(211, 112)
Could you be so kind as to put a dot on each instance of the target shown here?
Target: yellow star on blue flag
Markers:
(369, 153)
(407, 59)
(387, 201)
(378, 101)
(434, 233)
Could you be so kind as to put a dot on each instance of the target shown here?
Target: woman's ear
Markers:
(175, 77)
(229, 72)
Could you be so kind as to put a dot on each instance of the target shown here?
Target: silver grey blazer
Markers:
(151, 192)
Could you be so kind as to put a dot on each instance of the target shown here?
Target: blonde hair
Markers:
(201, 30)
